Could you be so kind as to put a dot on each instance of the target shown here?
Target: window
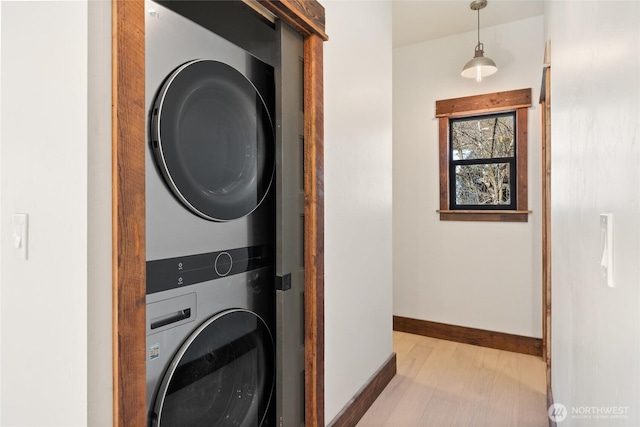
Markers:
(483, 157)
(482, 163)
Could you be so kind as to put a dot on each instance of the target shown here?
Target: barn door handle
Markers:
(283, 283)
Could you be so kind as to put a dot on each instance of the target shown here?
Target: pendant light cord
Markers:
(478, 26)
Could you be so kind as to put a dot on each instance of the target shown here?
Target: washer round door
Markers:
(223, 375)
(213, 140)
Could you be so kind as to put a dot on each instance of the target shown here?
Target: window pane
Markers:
(487, 184)
(483, 137)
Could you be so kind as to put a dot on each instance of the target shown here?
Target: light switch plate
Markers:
(606, 261)
(21, 235)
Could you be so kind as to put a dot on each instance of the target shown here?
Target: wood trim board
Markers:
(484, 215)
(546, 217)
(314, 231)
(522, 158)
(481, 337)
(128, 183)
(443, 150)
(304, 16)
(487, 103)
(364, 398)
(128, 204)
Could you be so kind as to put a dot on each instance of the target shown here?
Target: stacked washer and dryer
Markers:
(210, 226)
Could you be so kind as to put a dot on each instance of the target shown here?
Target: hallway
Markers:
(443, 383)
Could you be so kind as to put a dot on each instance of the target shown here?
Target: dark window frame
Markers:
(511, 161)
(518, 102)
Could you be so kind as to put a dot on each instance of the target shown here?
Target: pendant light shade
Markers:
(479, 66)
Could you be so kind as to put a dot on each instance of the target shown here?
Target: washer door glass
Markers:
(213, 140)
(222, 376)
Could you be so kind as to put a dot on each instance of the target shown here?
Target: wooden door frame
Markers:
(545, 102)
(128, 204)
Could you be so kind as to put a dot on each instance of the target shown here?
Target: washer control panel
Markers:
(171, 273)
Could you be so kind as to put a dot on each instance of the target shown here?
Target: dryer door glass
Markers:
(222, 376)
(213, 139)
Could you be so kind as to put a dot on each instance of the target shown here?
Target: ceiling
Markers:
(419, 20)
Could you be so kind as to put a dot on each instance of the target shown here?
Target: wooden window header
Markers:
(480, 104)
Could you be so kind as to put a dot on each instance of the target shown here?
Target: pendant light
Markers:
(480, 66)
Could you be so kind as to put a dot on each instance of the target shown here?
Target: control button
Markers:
(223, 264)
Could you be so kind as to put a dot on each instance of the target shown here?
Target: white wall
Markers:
(44, 169)
(1, 229)
(357, 102)
(99, 279)
(477, 274)
(55, 166)
(595, 125)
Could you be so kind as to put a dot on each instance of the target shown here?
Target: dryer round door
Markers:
(213, 140)
(223, 375)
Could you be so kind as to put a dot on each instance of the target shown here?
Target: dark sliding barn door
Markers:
(290, 230)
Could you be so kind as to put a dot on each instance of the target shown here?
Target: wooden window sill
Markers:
(482, 215)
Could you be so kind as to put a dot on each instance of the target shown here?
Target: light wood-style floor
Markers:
(443, 383)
